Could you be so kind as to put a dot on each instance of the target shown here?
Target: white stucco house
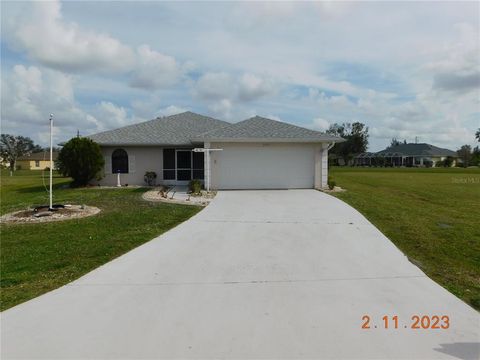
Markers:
(257, 153)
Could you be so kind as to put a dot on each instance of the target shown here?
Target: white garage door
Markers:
(268, 166)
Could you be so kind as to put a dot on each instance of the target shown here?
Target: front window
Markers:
(198, 163)
(37, 163)
(169, 164)
(120, 161)
(182, 165)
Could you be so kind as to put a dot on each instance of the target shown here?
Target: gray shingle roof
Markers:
(412, 149)
(188, 127)
(176, 129)
(263, 129)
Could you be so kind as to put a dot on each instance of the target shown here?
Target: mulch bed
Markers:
(44, 215)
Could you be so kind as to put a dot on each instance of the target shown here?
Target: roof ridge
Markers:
(283, 122)
(128, 126)
(259, 127)
(157, 119)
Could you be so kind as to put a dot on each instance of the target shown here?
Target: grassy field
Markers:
(36, 258)
(432, 215)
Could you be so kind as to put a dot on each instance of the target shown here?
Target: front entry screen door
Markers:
(184, 165)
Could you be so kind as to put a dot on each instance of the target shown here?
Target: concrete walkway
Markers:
(257, 274)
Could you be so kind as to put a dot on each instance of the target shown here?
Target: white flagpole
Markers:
(51, 161)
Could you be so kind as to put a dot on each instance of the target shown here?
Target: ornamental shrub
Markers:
(150, 177)
(82, 160)
(195, 186)
(331, 183)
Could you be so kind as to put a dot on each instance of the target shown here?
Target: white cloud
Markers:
(215, 86)
(170, 110)
(252, 87)
(154, 70)
(221, 108)
(45, 37)
(226, 95)
(274, 117)
(244, 88)
(111, 116)
(40, 30)
(320, 124)
(30, 95)
(457, 65)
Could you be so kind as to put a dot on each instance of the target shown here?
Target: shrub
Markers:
(448, 162)
(150, 177)
(195, 186)
(81, 159)
(331, 183)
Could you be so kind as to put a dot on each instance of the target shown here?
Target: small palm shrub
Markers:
(195, 186)
(150, 177)
(331, 183)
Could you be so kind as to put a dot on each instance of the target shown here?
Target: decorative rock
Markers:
(30, 216)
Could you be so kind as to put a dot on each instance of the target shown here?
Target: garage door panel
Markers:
(265, 167)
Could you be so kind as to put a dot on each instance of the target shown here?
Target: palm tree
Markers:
(477, 134)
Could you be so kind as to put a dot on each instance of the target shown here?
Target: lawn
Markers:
(36, 258)
(432, 215)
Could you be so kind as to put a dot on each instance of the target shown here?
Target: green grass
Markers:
(36, 258)
(432, 215)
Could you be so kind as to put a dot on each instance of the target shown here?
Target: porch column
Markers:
(207, 172)
(325, 165)
(318, 166)
(321, 166)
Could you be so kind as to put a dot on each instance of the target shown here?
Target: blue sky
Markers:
(405, 69)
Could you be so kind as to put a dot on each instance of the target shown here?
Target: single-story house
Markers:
(407, 155)
(257, 153)
(35, 161)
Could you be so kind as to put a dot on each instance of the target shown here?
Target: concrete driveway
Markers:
(257, 274)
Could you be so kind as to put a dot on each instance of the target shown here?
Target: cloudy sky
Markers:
(405, 69)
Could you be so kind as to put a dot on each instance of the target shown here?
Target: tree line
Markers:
(356, 142)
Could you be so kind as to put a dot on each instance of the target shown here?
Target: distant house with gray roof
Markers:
(257, 153)
(407, 155)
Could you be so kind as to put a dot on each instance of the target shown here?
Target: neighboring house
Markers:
(407, 155)
(35, 161)
(256, 153)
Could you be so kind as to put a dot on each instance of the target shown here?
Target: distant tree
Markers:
(356, 136)
(12, 147)
(465, 154)
(38, 149)
(81, 159)
(475, 160)
(447, 162)
(477, 135)
(394, 142)
(405, 141)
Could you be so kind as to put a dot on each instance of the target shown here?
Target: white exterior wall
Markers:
(302, 165)
(140, 160)
(143, 159)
